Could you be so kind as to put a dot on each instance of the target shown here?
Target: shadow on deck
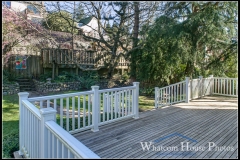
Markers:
(202, 128)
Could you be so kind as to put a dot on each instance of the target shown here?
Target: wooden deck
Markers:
(207, 121)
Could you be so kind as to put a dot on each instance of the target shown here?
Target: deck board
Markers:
(205, 120)
(198, 132)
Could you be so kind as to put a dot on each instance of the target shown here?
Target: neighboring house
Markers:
(35, 10)
(89, 27)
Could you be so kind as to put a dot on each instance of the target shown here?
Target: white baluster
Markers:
(73, 113)
(67, 116)
(136, 95)
(95, 108)
(84, 110)
(79, 111)
(61, 112)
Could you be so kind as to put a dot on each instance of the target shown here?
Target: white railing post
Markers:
(95, 108)
(156, 96)
(200, 86)
(136, 95)
(47, 114)
(187, 89)
(22, 96)
(211, 84)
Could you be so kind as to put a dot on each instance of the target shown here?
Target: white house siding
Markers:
(19, 7)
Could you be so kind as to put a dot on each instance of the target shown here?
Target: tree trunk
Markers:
(112, 65)
(135, 41)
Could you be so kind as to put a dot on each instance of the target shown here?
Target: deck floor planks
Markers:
(195, 135)
(119, 139)
(129, 137)
(207, 153)
(235, 153)
(214, 131)
(129, 131)
(214, 138)
(145, 133)
(180, 130)
(226, 143)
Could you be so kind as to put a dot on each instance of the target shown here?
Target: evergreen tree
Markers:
(191, 39)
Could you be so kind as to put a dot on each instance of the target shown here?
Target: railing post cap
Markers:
(210, 75)
(187, 77)
(95, 87)
(44, 111)
(136, 82)
(23, 93)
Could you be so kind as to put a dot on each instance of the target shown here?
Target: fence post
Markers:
(136, 95)
(156, 96)
(22, 96)
(200, 85)
(187, 90)
(47, 114)
(95, 108)
(211, 84)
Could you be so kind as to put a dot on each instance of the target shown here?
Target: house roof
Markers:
(86, 20)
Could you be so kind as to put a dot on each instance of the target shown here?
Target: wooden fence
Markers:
(65, 56)
(33, 66)
(37, 61)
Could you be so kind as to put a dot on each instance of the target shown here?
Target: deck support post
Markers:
(187, 89)
(211, 84)
(135, 104)
(56, 69)
(22, 96)
(200, 86)
(47, 114)
(53, 69)
(95, 108)
(156, 97)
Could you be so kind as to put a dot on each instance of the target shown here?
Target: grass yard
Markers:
(10, 125)
(10, 119)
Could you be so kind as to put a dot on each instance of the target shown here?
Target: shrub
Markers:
(125, 76)
(43, 77)
(10, 144)
(88, 79)
(9, 77)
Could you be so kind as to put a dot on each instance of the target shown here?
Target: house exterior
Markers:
(89, 27)
(35, 10)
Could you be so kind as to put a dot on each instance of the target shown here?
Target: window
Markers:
(36, 20)
(33, 9)
(6, 3)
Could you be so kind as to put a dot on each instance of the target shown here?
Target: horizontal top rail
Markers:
(225, 78)
(193, 79)
(75, 146)
(59, 96)
(172, 85)
(116, 89)
(32, 108)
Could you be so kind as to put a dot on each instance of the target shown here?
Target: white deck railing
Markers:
(225, 86)
(195, 88)
(118, 104)
(74, 109)
(200, 87)
(41, 137)
(171, 94)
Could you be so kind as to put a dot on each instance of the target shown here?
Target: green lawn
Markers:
(10, 124)
(10, 119)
